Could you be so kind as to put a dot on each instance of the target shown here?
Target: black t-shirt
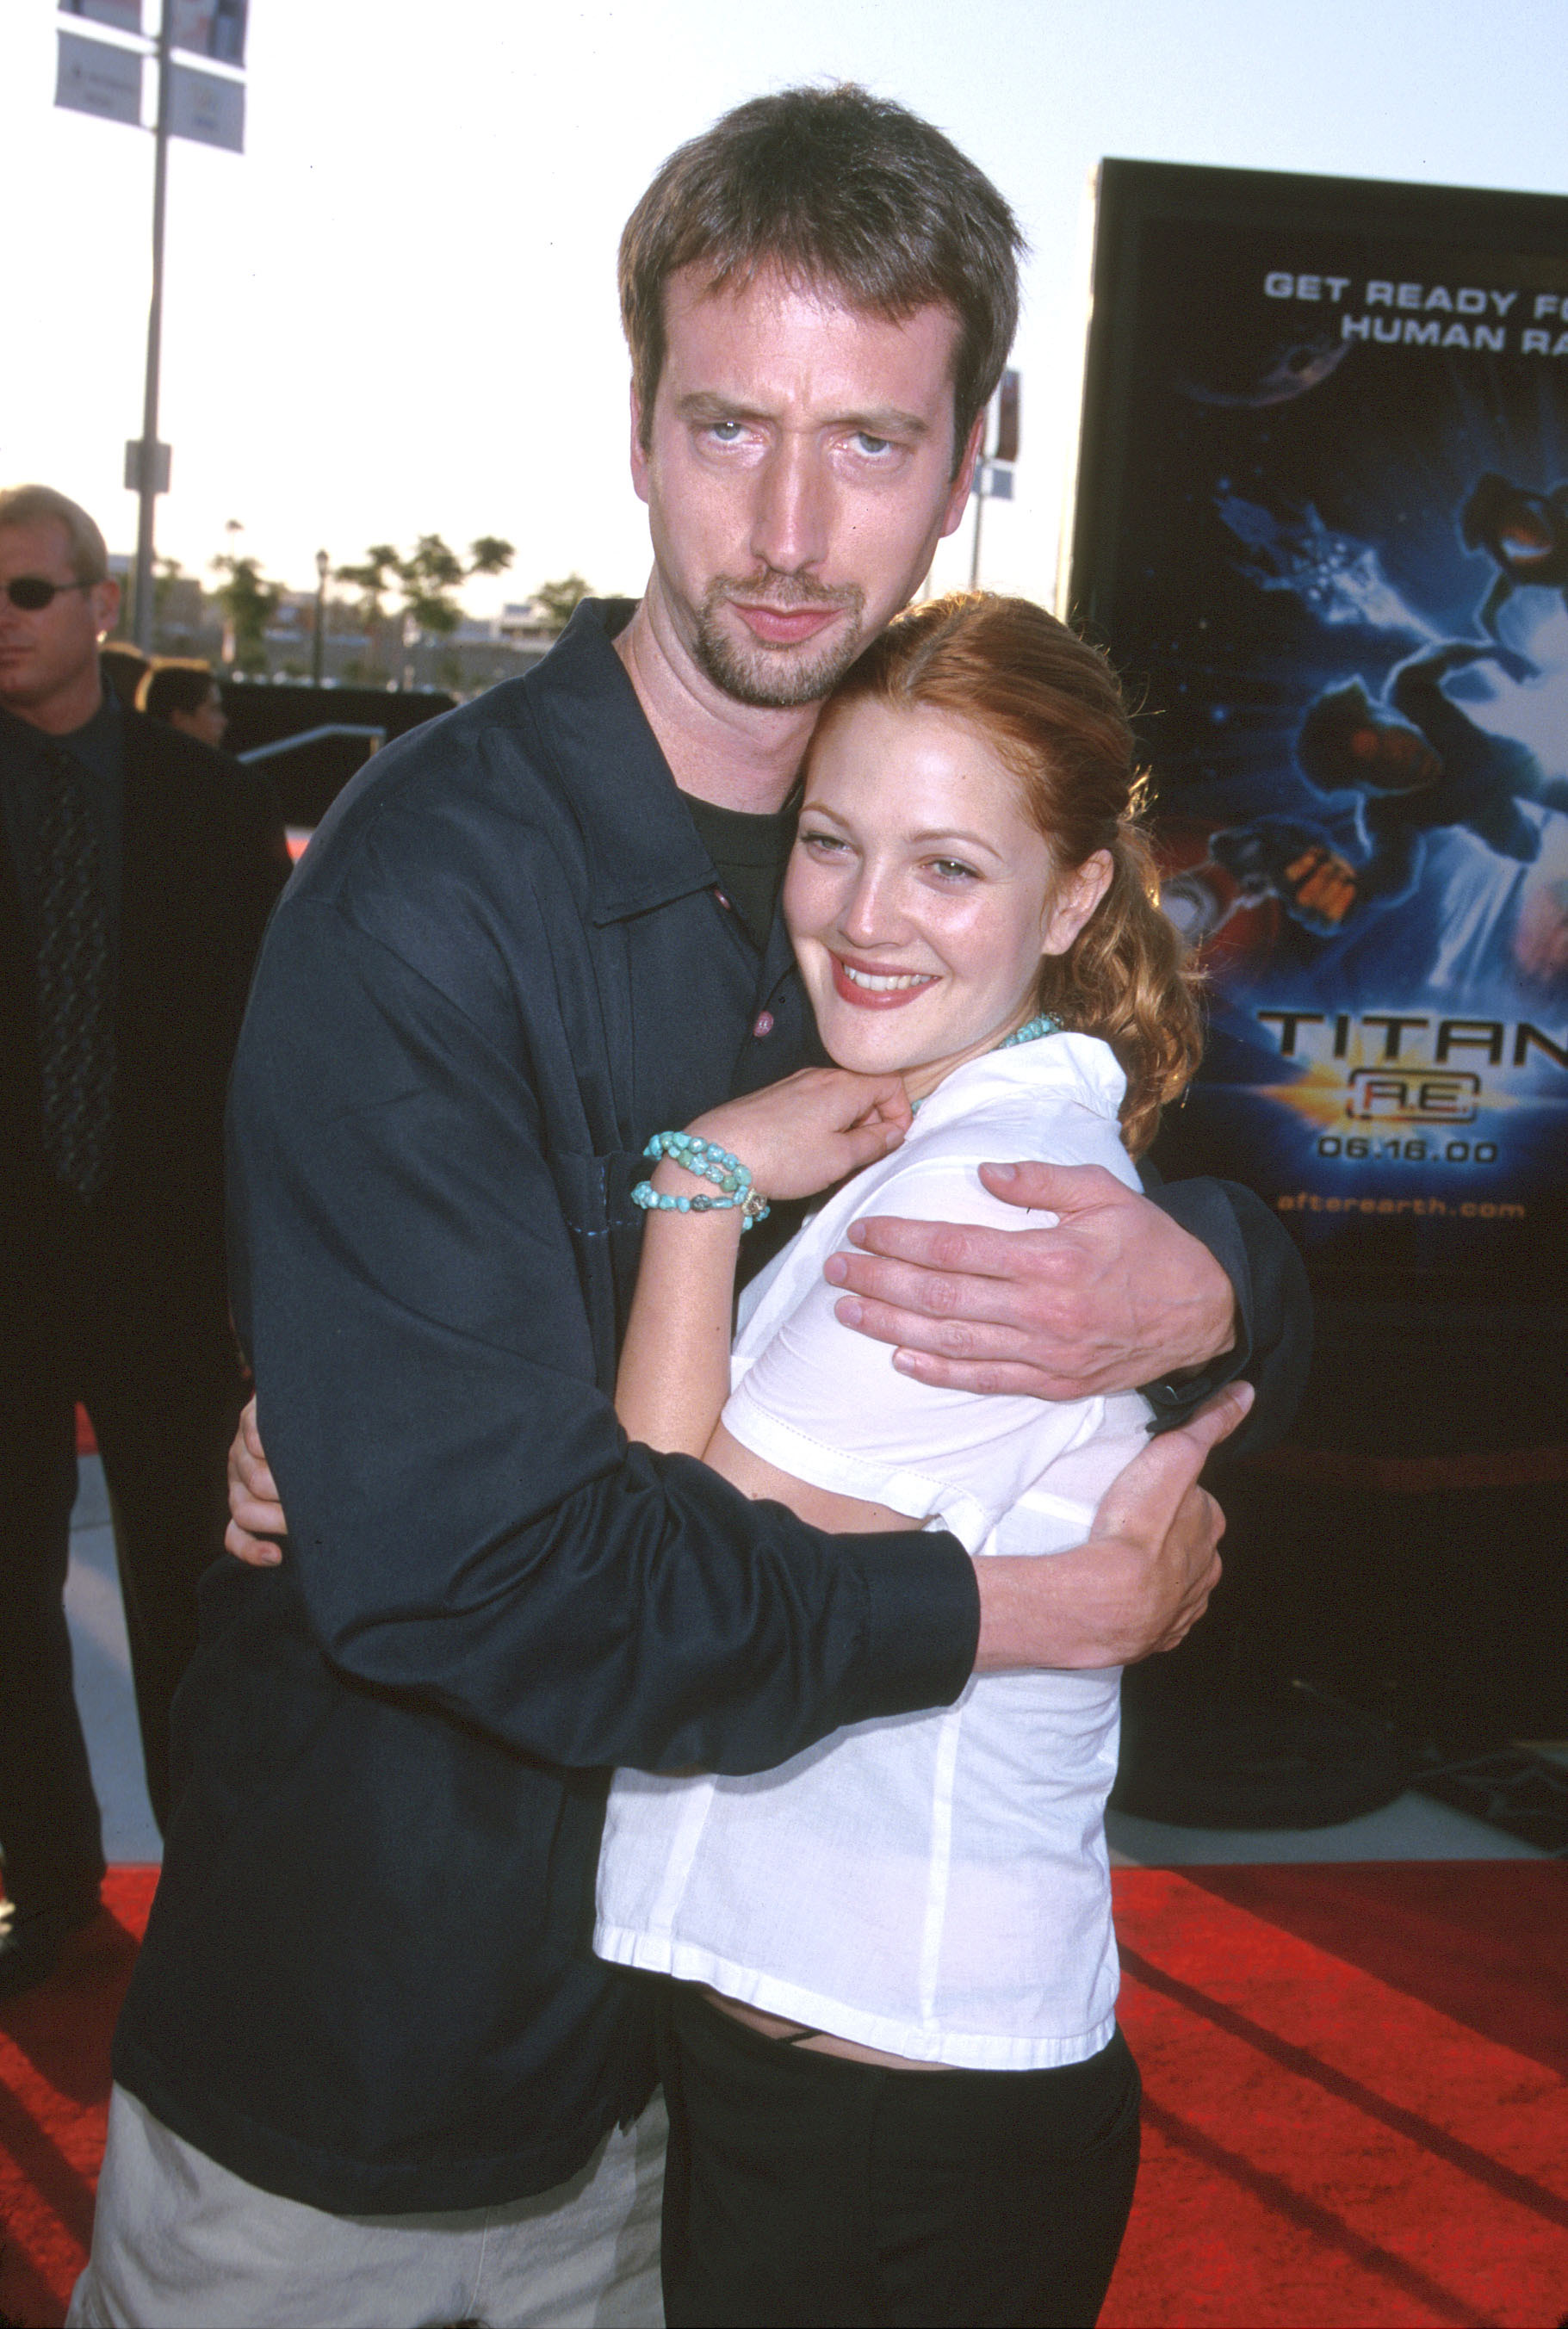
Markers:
(750, 853)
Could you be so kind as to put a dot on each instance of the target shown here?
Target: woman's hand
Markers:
(812, 1130)
(795, 1138)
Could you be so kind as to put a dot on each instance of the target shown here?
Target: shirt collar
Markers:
(643, 849)
(97, 744)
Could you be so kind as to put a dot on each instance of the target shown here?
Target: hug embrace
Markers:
(535, 1067)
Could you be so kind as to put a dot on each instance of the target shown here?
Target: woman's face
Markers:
(919, 897)
(209, 722)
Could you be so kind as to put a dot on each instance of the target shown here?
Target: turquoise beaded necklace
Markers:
(1029, 1033)
(1043, 1025)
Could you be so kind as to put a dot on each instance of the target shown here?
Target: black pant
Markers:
(801, 2189)
(161, 1382)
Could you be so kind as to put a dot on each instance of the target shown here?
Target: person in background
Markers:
(137, 868)
(184, 695)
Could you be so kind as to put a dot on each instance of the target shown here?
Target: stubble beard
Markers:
(778, 679)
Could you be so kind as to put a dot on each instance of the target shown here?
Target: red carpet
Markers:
(1356, 2109)
(54, 2100)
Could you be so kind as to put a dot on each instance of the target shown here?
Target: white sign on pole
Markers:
(125, 15)
(993, 482)
(210, 28)
(163, 458)
(93, 78)
(209, 110)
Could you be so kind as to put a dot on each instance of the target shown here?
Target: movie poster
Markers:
(1322, 526)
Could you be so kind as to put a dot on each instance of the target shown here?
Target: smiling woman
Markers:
(921, 897)
(987, 753)
(969, 901)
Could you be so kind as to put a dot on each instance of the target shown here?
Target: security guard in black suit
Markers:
(137, 868)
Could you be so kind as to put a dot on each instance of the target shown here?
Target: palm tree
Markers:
(428, 578)
(249, 604)
(560, 600)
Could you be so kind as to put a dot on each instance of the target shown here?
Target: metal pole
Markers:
(979, 502)
(143, 603)
(318, 638)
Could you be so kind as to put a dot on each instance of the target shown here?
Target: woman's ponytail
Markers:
(1127, 978)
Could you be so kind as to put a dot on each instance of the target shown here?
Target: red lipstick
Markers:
(870, 998)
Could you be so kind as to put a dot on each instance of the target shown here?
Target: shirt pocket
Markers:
(606, 1231)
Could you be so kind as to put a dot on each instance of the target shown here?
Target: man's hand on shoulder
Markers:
(1115, 1295)
(1141, 1581)
(255, 1516)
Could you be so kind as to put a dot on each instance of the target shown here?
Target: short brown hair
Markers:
(831, 186)
(39, 504)
(1051, 707)
(176, 683)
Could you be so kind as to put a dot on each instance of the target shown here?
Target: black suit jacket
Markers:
(204, 860)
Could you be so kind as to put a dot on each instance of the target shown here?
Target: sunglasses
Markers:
(31, 593)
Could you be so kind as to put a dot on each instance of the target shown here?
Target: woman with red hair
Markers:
(896, 2087)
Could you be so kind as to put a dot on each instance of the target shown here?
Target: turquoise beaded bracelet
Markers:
(710, 1163)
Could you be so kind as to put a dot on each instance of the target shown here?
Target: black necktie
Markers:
(75, 984)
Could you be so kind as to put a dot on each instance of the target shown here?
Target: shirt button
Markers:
(763, 1024)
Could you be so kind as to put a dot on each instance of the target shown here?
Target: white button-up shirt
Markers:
(934, 1885)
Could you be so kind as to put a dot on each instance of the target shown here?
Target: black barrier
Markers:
(345, 725)
(1400, 1559)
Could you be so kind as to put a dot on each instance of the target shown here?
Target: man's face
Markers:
(49, 655)
(798, 476)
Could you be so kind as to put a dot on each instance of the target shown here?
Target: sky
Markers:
(396, 314)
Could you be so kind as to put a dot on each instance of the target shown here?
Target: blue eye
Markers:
(953, 868)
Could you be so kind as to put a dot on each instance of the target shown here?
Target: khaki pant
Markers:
(180, 2243)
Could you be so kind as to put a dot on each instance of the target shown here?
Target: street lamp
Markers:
(318, 638)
